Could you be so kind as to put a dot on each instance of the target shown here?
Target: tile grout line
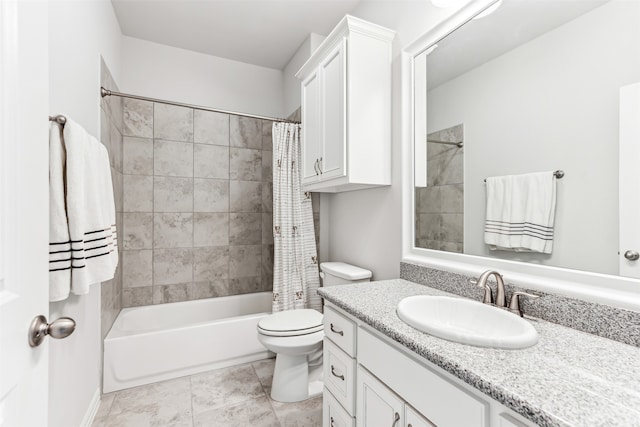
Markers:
(266, 395)
(190, 294)
(153, 199)
(193, 413)
(229, 204)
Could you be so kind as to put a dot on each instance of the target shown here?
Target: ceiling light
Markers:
(488, 11)
(448, 3)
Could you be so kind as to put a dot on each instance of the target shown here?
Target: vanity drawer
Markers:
(340, 330)
(333, 414)
(339, 375)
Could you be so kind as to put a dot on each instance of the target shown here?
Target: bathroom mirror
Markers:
(534, 86)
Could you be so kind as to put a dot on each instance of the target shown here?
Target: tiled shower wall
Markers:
(111, 137)
(197, 204)
(439, 215)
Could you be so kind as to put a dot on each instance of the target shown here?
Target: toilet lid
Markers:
(291, 323)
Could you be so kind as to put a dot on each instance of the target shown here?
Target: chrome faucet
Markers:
(500, 301)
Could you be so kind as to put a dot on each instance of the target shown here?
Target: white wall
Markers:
(79, 32)
(540, 108)
(164, 72)
(291, 83)
(364, 227)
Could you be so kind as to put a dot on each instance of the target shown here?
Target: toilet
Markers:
(295, 336)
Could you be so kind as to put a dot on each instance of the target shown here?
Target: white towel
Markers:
(520, 212)
(83, 240)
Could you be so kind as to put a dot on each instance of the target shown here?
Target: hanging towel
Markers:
(83, 240)
(520, 212)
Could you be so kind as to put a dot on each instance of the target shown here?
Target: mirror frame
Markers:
(621, 292)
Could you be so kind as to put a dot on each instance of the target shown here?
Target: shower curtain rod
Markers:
(106, 92)
(459, 144)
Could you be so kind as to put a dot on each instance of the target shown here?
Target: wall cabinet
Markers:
(372, 381)
(346, 109)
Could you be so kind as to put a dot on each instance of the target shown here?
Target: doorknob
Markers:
(59, 328)
(632, 255)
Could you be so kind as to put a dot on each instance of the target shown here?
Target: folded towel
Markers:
(520, 212)
(83, 248)
(60, 261)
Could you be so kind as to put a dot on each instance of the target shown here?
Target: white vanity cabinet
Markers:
(372, 381)
(346, 109)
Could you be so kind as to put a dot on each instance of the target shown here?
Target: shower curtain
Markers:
(295, 270)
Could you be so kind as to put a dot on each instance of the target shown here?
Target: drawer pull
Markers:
(333, 372)
(336, 331)
(395, 420)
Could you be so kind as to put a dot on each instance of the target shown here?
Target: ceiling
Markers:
(260, 32)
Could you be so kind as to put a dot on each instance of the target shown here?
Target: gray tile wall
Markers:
(197, 204)
(111, 137)
(439, 210)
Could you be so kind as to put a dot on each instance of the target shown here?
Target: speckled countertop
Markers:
(570, 378)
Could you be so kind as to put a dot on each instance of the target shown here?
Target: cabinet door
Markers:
(413, 419)
(377, 405)
(333, 71)
(311, 128)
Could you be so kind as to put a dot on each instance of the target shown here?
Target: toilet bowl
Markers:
(296, 338)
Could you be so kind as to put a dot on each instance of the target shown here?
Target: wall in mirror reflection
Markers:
(550, 103)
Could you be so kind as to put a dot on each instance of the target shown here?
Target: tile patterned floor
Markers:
(231, 397)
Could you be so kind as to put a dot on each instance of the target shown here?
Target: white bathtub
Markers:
(160, 342)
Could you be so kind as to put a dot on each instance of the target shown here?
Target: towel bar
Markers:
(558, 174)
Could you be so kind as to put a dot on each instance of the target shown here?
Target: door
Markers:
(333, 71)
(413, 418)
(377, 405)
(310, 128)
(629, 187)
(24, 210)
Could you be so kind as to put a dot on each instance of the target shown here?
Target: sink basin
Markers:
(467, 322)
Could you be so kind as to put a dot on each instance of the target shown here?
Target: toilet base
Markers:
(294, 380)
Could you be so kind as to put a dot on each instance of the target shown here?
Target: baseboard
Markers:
(92, 410)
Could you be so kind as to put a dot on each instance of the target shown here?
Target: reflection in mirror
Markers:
(535, 86)
(440, 204)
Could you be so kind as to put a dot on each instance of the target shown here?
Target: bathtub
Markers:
(160, 342)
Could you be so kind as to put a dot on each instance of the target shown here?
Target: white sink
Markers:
(467, 322)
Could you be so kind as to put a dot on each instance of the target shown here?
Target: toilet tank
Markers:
(340, 273)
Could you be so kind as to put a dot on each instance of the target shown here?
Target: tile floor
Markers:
(231, 397)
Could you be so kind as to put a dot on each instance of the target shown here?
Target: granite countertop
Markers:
(570, 378)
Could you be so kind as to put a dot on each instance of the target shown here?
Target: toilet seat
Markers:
(291, 323)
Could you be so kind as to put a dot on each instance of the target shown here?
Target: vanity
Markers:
(379, 371)
(499, 95)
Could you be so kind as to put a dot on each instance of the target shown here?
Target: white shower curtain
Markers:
(295, 270)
